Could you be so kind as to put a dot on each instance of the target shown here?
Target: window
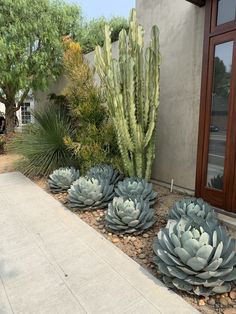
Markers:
(226, 11)
(25, 113)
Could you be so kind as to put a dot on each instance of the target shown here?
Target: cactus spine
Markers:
(132, 90)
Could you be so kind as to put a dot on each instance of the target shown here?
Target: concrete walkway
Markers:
(52, 262)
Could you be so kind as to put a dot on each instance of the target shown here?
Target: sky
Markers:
(107, 8)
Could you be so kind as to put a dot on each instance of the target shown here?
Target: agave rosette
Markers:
(196, 259)
(136, 188)
(106, 172)
(62, 178)
(126, 215)
(90, 193)
(194, 209)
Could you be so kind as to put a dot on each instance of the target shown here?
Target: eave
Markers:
(199, 3)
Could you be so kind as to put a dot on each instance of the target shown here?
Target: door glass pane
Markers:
(226, 11)
(219, 114)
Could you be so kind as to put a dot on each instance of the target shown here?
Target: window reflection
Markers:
(226, 11)
(219, 114)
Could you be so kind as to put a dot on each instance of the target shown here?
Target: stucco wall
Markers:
(59, 85)
(56, 87)
(181, 27)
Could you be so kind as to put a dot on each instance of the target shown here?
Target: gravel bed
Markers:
(139, 247)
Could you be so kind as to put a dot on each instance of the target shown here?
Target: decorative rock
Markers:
(138, 245)
(223, 301)
(115, 240)
(133, 239)
(100, 227)
(201, 302)
(230, 311)
(126, 241)
(142, 256)
(232, 294)
(229, 301)
(145, 235)
(211, 301)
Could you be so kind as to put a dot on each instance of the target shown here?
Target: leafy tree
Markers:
(30, 47)
(221, 85)
(92, 32)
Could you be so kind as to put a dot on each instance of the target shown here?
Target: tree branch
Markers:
(3, 100)
(20, 103)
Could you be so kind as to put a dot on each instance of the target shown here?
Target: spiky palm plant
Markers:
(42, 144)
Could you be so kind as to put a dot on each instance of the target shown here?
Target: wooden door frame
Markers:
(215, 35)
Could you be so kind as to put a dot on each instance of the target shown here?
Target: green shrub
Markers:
(42, 145)
(95, 141)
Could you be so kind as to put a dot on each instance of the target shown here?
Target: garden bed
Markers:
(139, 247)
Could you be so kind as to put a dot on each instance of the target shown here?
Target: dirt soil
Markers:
(7, 162)
(139, 247)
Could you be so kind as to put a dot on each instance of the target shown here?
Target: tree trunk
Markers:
(10, 116)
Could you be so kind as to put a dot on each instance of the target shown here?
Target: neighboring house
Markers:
(24, 114)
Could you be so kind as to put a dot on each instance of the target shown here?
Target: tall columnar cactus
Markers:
(132, 90)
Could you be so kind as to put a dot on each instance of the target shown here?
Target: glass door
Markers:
(216, 165)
